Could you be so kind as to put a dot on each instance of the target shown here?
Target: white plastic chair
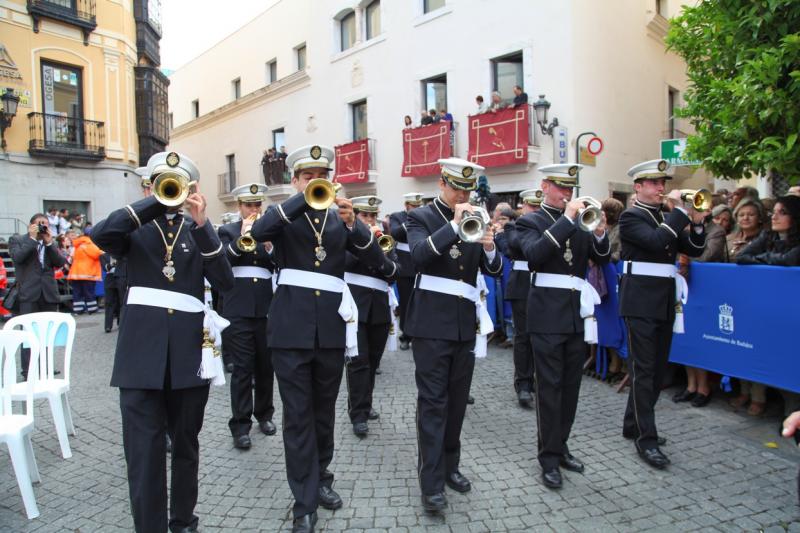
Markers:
(46, 328)
(15, 430)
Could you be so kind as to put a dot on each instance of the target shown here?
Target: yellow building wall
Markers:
(107, 70)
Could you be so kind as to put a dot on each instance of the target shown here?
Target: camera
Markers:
(43, 228)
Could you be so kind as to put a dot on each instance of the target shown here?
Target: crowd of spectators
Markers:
(497, 102)
(273, 166)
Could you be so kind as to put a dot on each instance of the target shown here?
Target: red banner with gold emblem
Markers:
(423, 146)
(352, 162)
(499, 138)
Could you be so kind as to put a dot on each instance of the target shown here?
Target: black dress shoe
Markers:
(457, 482)
(552, 478)
(569, 462)
(229, 368)
(267, 427)
(108, 330)
(373, 415)
(329, 499)
(360, 429)
(701, 400)
(470, 400)
(404, 345)
(654, 458)
(378, 371)
(684, 396)
(305, 523)
(242, 442)
(434, 502)
(661, 441)
(525, 398)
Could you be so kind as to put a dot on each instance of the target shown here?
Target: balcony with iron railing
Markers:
(66, 137)
(80, 13)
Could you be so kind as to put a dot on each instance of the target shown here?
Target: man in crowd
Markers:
(560, 311)
(313, 323)
(406, 273)
(35, 255)
(442, 315)
(158, 363)
(246, 306)
(648, 300)
(520, 96)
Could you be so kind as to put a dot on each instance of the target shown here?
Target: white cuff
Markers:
(454, 226)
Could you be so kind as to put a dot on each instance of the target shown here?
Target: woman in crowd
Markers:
(408, 122)
(722, 216)
(613, 208)
(779, 246)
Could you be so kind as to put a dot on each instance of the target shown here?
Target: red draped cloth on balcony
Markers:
(352, 162)
(423, 146)
(500, 138)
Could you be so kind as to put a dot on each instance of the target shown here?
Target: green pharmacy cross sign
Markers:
(672, 150)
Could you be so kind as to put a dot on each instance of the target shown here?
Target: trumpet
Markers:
(473, 225)
(246, 243)
(386, 242)
(590, 216)
(320, 193)
(171, 188)
(699, 200)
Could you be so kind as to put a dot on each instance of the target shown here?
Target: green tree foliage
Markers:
(743, 62)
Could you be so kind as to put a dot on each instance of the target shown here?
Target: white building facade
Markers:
(333, 71)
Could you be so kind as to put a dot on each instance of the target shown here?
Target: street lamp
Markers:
(10, 102)
(541, 106)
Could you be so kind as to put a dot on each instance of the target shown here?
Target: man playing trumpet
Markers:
(650, 292)
(560, 318)
(442, 316)
(314, 320)
(246, 307)
(376, 305)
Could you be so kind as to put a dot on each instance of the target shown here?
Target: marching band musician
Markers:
(560, 300)
(647, 294)
(157, 365)
(246, 307)
(405, 276)
(313, 323)
(519, 283)
(442, 317)
(370, 290)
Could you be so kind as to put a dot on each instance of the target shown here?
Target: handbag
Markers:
(12, 296)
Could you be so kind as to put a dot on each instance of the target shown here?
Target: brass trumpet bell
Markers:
(699, 199)
(246, 243)
(386, 242)
(320, 193)
(171, 188)
(473, 225)
(590, 216)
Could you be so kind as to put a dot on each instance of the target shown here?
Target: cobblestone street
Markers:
(723, 477)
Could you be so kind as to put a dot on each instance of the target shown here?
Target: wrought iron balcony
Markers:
(66, 137)
(80, 13)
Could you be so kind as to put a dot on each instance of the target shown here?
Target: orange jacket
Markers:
(86, 260)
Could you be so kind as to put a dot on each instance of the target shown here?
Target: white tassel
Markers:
(481, 346)
(391, 342)
(677, 326)
(590, 330)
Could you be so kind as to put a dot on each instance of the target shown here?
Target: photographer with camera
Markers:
(35, 256)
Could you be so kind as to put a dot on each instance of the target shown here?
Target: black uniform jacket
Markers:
(303, 318)
(519, 281)
(33, 279)
(649, 236)
(434, 315)
(250, 297)
(397, 229)
(150, 337)
(544, 243)
(373, 305)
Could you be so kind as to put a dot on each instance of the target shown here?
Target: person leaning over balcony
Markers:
(496, 103)
(479, 105)
(520, 97)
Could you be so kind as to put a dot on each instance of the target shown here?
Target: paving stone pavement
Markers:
(723, 476)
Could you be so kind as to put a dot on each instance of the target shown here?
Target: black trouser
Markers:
(246, 343)
(146, 415)
(558, 361)
(404, 287)
(523, 353)
(649, 341)
(113, 299)
(25, 308)
(443, 374)
(361, 369)
(308, 381)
